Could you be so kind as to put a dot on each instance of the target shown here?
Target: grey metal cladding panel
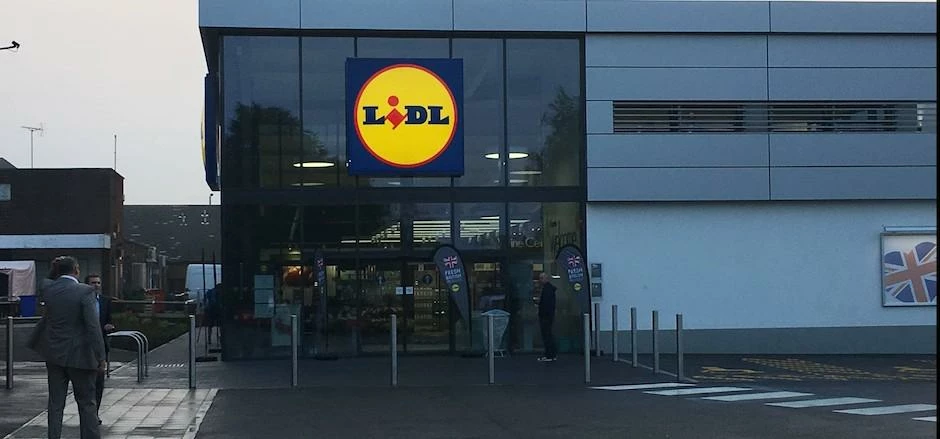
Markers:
(677, 184)
(380, 15)
(683, 84)
(274, 14)
(627, 50)
(860, 17)
(850, 149)
(860, 183)
(600, 117)
(677, 16)
(677, 150)
(519, 15)
(853, 84)
(852, 51)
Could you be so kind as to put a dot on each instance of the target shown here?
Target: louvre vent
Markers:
(765, 117)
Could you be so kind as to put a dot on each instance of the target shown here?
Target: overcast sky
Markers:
(90, 69)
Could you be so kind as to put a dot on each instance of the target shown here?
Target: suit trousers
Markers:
(83, 388)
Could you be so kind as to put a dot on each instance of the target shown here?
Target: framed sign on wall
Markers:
(909, 268)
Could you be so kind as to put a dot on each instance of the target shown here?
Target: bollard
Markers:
(9, 352)
(293, 350)
(680, 352)
(655, 341)
(614, 349)
(597, 329)
(192, 351)
(633, 336)
(394, 350)
(587, 348)
(490, 350)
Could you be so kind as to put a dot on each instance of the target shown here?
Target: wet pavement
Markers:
(729, 396)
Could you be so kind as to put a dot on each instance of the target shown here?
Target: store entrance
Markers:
(412, 291)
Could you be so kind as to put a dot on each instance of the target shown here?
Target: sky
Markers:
(89, 70)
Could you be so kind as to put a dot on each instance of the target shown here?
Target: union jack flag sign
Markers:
(574, 261)
(910, 273)
(451, 261)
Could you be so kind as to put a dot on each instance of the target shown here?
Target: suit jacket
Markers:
(69, 335)
(104, 316)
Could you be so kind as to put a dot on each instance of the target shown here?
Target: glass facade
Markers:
(287, 195)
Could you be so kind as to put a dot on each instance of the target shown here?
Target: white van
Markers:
(196, 274)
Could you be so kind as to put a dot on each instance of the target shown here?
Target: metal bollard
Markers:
(614, 349)
(680, 352)
(655, 341)
(597, 329)
(633, 348)
(394, 351)
(490, 350)
(192, 351)
(9, 352)
(587, 348)
(293, 350)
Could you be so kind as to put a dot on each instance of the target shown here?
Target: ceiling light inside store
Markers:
(314, 165)
(526, 172)
(512, 155)
(307, 184)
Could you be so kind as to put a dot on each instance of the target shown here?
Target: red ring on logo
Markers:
(453, 129)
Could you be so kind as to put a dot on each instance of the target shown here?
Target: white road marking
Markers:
(753, 396)
(927, 418)
(696, 391)
(888, 410)
(822, 402)
(642, 386)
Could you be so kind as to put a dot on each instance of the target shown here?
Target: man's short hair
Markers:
(63, 265)
(88, 278)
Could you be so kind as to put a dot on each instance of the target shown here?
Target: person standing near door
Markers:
(69, 338)
(547, 316)
(103, 305)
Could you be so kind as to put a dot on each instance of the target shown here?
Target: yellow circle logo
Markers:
(406, 116)
(455, 287)
(577, 287)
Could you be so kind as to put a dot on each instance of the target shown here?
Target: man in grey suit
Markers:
(69, 339)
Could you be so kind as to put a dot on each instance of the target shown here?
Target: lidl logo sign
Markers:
(404, 116)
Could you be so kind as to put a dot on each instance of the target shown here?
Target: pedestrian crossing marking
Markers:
(697, 390)
(822, 402)
(642, 386)
(927, 418)
(888, 410)
(753, 396)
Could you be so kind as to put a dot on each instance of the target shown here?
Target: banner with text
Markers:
(570, 260)
(450, 264)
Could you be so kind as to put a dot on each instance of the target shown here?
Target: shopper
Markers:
(547, 316)
(69, 338)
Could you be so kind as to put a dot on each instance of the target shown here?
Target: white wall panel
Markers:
(627, 83)
(664, 50)
(751, 265)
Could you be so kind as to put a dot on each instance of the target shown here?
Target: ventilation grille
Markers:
(765, 117)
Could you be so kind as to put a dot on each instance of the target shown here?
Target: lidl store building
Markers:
(767, 169)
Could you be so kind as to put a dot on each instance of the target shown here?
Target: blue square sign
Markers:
(404, 117)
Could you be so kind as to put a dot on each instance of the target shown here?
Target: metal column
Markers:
(655, 341)
(587, 348)
(192, 351)
(614, 349)
(9, 352)
(597, 329)
(633, 348)
(394, 350)
(680, 351)
(293, 350)
(490, 353)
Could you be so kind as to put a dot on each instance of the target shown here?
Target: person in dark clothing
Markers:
(547, 316)
(103, 306)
